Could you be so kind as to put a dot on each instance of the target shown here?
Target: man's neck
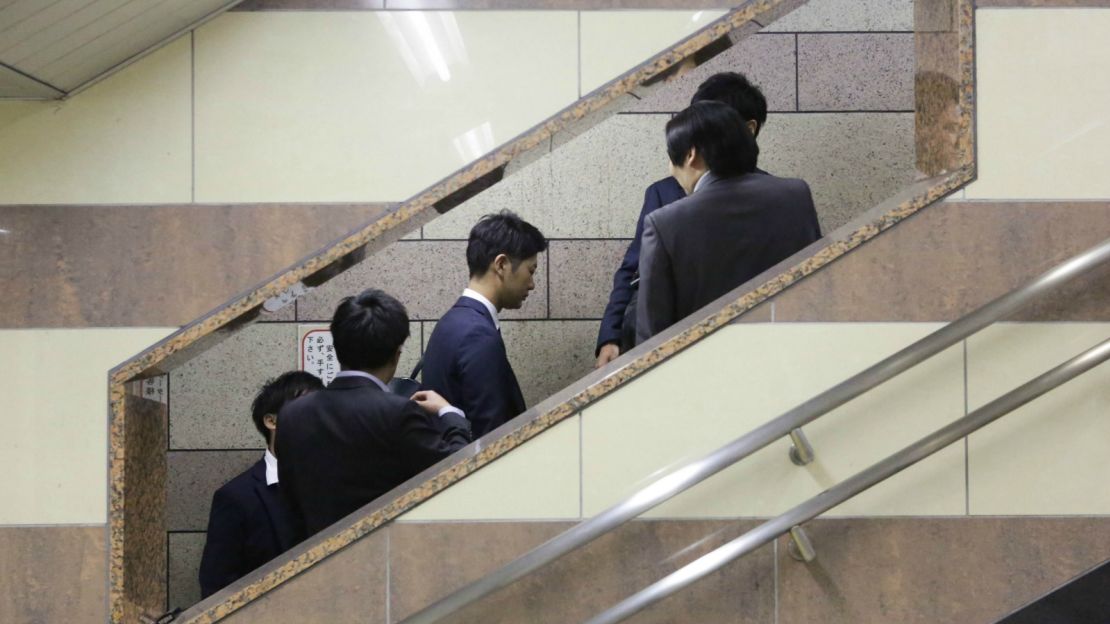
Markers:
(384, 374)
(482, 286)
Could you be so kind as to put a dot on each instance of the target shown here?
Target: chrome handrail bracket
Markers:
(801, 451)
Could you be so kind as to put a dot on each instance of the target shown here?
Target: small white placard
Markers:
(318, 353)
(153, 388)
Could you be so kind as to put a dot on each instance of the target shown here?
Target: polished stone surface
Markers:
(185, 550)
(426, 276)
(847, 15)
(933, 570)
(767, 60)
(151, 266)
(53, 574)
(193, 477)
(582, 276)
(568, 354)
(210, 396)
(429, 560)
(838, 72)
(956, 256)
(851, 161)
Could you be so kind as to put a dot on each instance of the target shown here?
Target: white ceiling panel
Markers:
(67, 44)
(15, 85)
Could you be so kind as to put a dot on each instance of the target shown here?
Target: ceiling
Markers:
(54, 48)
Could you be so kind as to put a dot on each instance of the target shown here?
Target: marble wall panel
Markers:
(429, 560)
(426, 276)
(549, 355)
(193, 477)
(918, 570)
(53, 574)
(838, 72)
(210, 396)
(582, 276)
(152, 266)
(851, 161)
(185, 550)
(955, 256)
(766, 59)
(846, 15)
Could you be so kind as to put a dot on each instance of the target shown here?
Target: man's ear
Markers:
(270, 421)
(501, 264)
(397, 356)
(691, 156)
(753, 127)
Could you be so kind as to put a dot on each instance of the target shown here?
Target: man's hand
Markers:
(607, 354)
(430, 401)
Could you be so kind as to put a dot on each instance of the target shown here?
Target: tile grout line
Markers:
(581, 470)
(797, 80)
(967, 445)
(193, 116)
(578, 15)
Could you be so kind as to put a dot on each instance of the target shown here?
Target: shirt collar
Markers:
(358, 373)
(271, 467)
(706, 178)
(477, 296)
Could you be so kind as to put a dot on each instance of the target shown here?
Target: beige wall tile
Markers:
(126, 140)
(614, 42)
(536, 481)
(1050, 456)
(326, 107)
(747, 374)
(1020, 154)
(54, 453)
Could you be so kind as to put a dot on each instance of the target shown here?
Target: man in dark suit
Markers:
(734, 224)
(465, 359)
(250, 521)
(353, 441)
(618, 327)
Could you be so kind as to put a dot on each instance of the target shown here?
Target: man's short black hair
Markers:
(367, 330)
(279, 391)
(719, 134)
(502, 233)
(738, 92)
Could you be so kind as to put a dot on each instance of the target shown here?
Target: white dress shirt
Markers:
(477, 296)
(271, 467)
(448, 409)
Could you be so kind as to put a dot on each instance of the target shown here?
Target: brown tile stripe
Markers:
(927, 570)
(52, 574)
(63, 265)
(957, 256)
(593, 386)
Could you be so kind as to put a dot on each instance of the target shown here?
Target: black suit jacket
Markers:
(465, 361)
(249, 524)
(341, 447)
(727, 232)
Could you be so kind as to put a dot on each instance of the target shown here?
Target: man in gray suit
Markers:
(733, 225)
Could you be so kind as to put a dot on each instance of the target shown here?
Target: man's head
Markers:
(368, 330)
(502, 256)
(709, 136)
(737, 92)
(276, 393)
(939, 142)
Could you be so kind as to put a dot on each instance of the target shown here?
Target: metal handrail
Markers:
(855, 484)
(696, 471)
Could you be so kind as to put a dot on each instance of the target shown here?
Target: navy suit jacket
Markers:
(465, 361)
(656, 196)
(250, 523)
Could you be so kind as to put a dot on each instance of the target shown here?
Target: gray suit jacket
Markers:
(727, 232)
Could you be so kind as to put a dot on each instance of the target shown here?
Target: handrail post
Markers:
(801, 451)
